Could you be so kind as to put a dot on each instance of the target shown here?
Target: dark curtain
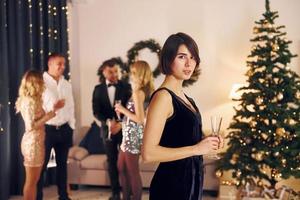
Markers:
(30, 31)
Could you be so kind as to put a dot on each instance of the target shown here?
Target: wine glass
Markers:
(215, 122)
(118, 113)
(109, 129)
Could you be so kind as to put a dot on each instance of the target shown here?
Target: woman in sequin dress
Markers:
(29, 104)
(133, 128)
(173, 134)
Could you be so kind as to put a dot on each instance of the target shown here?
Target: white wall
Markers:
(101, 29)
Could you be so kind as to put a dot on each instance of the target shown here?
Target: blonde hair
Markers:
(31, 89)
(144, 73)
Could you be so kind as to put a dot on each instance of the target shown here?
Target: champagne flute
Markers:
(109, 129)
(215, 122)
(118, 113)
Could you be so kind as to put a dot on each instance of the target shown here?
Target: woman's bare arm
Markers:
(160, 109)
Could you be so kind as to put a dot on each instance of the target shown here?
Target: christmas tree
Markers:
(264, 137)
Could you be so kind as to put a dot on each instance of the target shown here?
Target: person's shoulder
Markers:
(123, 83)
(139, 93)
(25, 104)
(66, 81)
(162, 95)
(100, 85)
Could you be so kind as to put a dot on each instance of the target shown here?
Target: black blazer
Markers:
(102, 108)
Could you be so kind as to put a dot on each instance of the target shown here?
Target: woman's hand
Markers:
(115, 127)
(58, 105)
(208, 145)
(221, 142)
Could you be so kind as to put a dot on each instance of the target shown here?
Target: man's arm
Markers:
(97, 110)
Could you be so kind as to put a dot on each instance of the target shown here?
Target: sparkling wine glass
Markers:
(109, 129)
(118, 113)
(215, 122)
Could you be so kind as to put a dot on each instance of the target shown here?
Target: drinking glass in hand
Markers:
(215, 125)
(215, 122)
(109, 129)
(118, 113)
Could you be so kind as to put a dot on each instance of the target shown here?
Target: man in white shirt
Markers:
(59, 130)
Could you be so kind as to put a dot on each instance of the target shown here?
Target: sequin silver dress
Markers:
(132, 133)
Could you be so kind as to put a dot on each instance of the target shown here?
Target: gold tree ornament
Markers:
(264, 136)
(273, 53)
(259, 100)
(262, 107)
(266, 121)
(219, 173)
(297, 95)
(278, 176)
(275, 70)
(276, 80)
(233, 162)
(275, 47)
(253, 124)
(234, 159)
(279, 96)
(260, 183)
(292, 122)
(280, 131)
(259, 156)
(276, 154)
(249, 73)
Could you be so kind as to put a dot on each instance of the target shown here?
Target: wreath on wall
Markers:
(152, 45)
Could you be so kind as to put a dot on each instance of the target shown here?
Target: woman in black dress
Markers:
(173, 134)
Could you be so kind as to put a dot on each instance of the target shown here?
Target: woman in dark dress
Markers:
(173, 134)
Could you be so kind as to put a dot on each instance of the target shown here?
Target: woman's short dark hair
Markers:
(170, 48)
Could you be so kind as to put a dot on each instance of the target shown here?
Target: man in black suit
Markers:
(105, 94)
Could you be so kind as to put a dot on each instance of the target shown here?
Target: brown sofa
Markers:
(85, 169)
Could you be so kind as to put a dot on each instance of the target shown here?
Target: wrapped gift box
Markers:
(228, 192)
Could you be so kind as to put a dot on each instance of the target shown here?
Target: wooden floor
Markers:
(88, 193)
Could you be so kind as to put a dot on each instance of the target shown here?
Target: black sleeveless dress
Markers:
(181, 179)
